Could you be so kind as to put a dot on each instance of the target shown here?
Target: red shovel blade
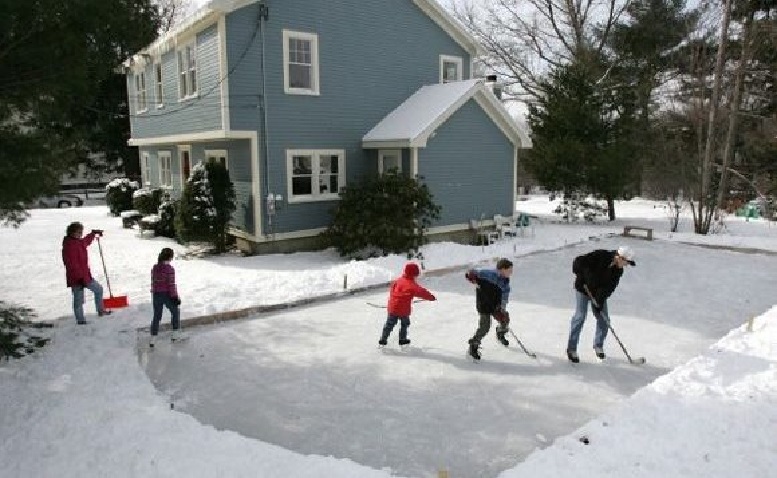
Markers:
(118, 302)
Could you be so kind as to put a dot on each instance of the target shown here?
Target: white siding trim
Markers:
(223, 76)
(451, 26)
(414, 162)
(181, 138)
(499, 115)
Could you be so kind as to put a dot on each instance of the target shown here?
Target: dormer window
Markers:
(450, 68)
(300, 63)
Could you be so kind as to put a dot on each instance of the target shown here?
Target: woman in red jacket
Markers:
(401, 295)
(77, 273)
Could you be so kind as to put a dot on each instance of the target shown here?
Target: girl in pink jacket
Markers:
(165, 294)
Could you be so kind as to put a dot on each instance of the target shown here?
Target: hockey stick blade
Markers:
(639, 361)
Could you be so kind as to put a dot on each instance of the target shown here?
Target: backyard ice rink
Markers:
(307, 383)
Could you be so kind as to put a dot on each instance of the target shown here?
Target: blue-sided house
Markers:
(299, 98)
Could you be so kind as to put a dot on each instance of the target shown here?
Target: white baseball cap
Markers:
(627, 253)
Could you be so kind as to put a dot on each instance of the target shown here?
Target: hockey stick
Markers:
(530, 354)
(378, 306)
(638, 360)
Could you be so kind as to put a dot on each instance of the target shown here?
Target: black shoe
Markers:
(600, 353)
(473, 350)
(404, 342)
(82, 323)
(502, 340)
(572, 356)
(382, 342)
(104, 312)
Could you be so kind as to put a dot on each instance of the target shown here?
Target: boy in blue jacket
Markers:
(493, 292)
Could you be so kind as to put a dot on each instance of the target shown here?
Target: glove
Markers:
(597, 310)
(177, 300)
(97, 232)
(502, 316)
(471, 276)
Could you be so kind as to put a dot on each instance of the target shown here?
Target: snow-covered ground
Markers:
(307, 382)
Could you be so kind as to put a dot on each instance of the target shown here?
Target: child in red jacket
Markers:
(401, 295)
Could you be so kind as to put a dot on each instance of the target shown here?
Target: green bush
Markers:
(118, 195)
(147, 201)
(206, 206)
(15, 340)
(167, 212)
(385, 214)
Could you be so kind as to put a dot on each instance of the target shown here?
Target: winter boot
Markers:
(572, 356)
(152, 341)
(404, 342)
(382, 342)
(178, 336)
(600, 353)
(473, 349)
(500, 336)
(104, 312)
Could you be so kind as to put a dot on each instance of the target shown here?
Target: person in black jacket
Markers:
(493, 292)
(596, 276)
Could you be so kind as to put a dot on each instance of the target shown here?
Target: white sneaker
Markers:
(178, 336)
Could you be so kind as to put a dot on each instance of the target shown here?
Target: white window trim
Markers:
(181, 149)
(182, 49)
(217, 153)
(141, 93)
(383, 152)
(159, 88)
(452, 59)
(315, 196)
(166, 155)
(313, 38)
(145, 169)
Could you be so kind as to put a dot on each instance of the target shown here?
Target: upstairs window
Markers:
(158, 77)
(450, 68)
(141, 101)
(315, 175)
(300, 63)
(187, 71)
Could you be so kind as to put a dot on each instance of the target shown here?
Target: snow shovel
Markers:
(111, 302)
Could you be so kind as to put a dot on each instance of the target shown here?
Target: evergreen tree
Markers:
(386, 214)
(60, 97)
(582, 133)
(206, 206)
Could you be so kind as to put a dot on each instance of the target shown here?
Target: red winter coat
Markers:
(404, 289)
(76, 260)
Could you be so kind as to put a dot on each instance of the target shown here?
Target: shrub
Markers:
(167, 212)
(118, 195)
(388, 213)
(15, 340)
(206, 206)
(147, 201)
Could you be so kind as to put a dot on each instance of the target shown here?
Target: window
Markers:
(140, 92)
(300, 63)
(160, 101)
(450, 68)
(185, 153)
(145, 169)
(315, 175)
(218, 155)
(165, 169)
(187, 71)
(389, 159)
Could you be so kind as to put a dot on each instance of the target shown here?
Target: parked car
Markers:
(59, 201)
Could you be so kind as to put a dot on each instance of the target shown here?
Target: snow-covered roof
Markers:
(213, 8)
(412, 123)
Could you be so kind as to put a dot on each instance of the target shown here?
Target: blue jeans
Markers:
(160, 300)
(581, 309)
(391, 321)
(78, 299)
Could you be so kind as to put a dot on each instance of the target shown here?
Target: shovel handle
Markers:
(105, 271)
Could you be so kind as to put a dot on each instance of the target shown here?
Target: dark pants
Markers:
(485, 325)
(391, 321)
(160, 300)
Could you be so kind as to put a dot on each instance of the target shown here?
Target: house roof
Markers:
(413, 122)
(214, 8)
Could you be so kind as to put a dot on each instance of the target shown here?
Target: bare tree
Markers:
(172, 12)
(523, 38)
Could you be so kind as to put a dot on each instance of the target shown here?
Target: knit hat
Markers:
(627, 253)
(411, 270)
